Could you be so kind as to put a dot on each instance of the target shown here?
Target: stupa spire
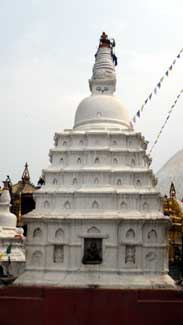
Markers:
(103, 80)
(102, 109)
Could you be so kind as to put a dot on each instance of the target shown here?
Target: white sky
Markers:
(47, 52)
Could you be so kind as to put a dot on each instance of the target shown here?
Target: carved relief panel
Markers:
(37, 258)
(130, 252)
(58, 254)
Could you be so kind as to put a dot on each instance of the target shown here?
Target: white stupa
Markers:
(98, 219)
(12, 255)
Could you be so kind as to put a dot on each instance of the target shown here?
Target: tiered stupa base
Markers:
(96, 280)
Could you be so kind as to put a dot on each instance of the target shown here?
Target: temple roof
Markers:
(24, 186)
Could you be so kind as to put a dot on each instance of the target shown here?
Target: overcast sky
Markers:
(46, 56)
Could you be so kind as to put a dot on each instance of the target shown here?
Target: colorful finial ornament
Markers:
(105, 42)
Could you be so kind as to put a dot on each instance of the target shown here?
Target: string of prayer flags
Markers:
(158, 86)
(166, 120)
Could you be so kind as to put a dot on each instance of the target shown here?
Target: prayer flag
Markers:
(150, 96)
(142, 108)
(138, 113)
(134, 119)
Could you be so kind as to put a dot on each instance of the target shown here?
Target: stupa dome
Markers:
(101, 109)
(172, 172)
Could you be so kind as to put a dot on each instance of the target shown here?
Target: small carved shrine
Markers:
(22, 196)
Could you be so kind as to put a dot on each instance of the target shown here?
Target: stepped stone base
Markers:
(94, 279)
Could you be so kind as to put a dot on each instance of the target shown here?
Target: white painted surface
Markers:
(99, 185)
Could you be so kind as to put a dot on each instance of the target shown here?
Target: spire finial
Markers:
(26, 175)
(172, 190)
(104, 41)
(103, 79)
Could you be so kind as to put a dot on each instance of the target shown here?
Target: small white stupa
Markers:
(98, 219)
(12, 256)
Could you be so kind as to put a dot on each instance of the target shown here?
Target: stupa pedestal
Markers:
(98, 219)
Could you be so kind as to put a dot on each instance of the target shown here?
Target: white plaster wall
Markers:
(115, 240)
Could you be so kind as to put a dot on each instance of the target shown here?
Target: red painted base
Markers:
(49, 306)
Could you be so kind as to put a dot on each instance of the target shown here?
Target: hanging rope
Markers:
(166, 120)
(158, 86)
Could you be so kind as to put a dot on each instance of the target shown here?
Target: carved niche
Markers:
(61, 161)
(92, 251)
(58, 254)
(37, 257)
(138, 182)
(133, 162)
(145, 206)
(119, 181)
(123, 205)
(55, 181)
(46, 204)
(59, 234)
(130, 234)
(152, 236)
(37, 233)
(115, 161)
(96, 180)
(97, 160)
(130, 254)
(74, 182)
(95, 205)
(67, 205)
